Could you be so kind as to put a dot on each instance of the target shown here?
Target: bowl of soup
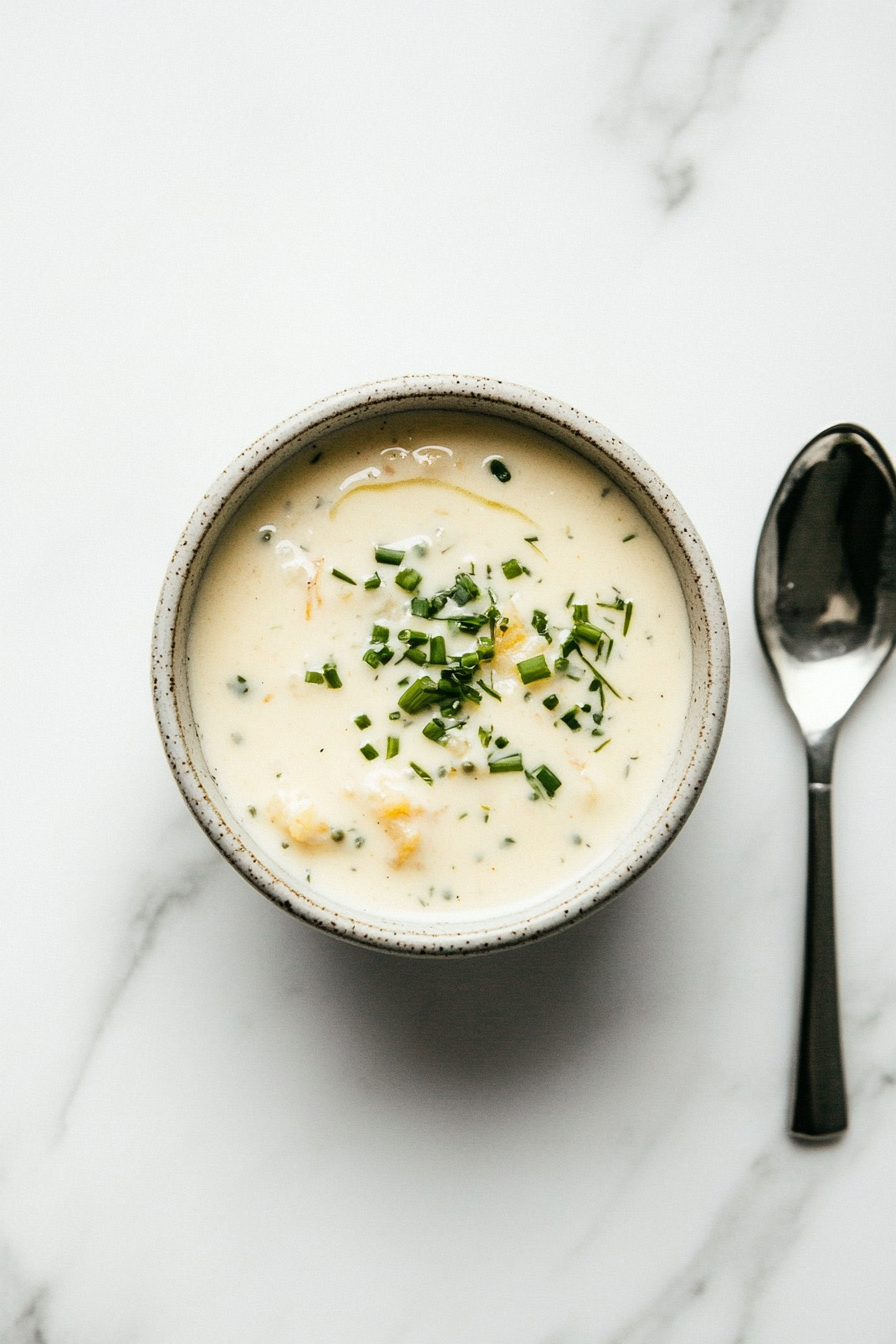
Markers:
(440, 665)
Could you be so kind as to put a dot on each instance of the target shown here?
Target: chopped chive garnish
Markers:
(408, 579)
(533, 669)
(369, 751)
(371, 658)
(580, 612)
(531, 540)
(419, 695)
(435, 730)
(561, 664)
(497, 468)
(602, 745)
(316, 677)
(337, 835)
(469, 660)
(404, 681)
(362, 721)
(384, 555)
(548, 780)
(488, 689)
(392, 746)
(331, 676)
(338, 574)
(379, 635)
(437, 652)
(396, 714)
(588, 632)
(501, 743)
(630, 537)
(569, 718)
(485, 736)
(506, 765)
(550, 701)
(412, 636)
(414, 654)
(628, 617)
(512, 569)
(568, 602)
(470, 623)
(601, 682)
(464, 589)
(418, 770)
(486, 648)
(540, 625)
(373, 582)
(420, 606)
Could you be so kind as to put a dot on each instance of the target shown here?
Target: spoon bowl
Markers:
(825, 597)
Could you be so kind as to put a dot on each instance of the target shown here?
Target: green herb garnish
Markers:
(437, 652)
(338, 574)
(384, 555)
(505, 765)
(497, 468)
(412, 636)
(373, 582)
(392, 746)
(316, 677)
(501, 743)
(548, 780)
(551, 701)
(419, 695)
(464, 590)
(489, 690)
(591, 634)
(369, 751)
(630, 537)
(512, 569)
(414, 654)
(362, 721)
(331, 676)
(379, 635)
(435, 730)
(569, 718)
(540, 625)
(629, 607)
(533, 669)
(408, 579)
(418, 770)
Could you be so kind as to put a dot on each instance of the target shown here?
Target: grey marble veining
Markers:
(677, 68)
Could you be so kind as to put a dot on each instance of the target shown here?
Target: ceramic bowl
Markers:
(424, 932)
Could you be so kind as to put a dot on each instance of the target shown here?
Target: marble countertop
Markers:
(219, 1125)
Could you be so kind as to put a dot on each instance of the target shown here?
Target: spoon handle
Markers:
(819, 1104)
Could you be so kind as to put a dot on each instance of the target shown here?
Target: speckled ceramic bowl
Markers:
(425, 932)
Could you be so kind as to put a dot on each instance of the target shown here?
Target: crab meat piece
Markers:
(512, 646)
(297, 817)
(393, 809)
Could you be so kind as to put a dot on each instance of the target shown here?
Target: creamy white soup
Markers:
(438, 660)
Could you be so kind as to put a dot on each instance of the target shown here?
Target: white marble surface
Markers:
(218, 1125)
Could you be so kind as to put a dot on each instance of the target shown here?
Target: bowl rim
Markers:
(556, 419)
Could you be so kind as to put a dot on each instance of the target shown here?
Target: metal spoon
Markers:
(825, 598)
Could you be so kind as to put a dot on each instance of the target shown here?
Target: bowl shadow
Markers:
(490, 1022)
